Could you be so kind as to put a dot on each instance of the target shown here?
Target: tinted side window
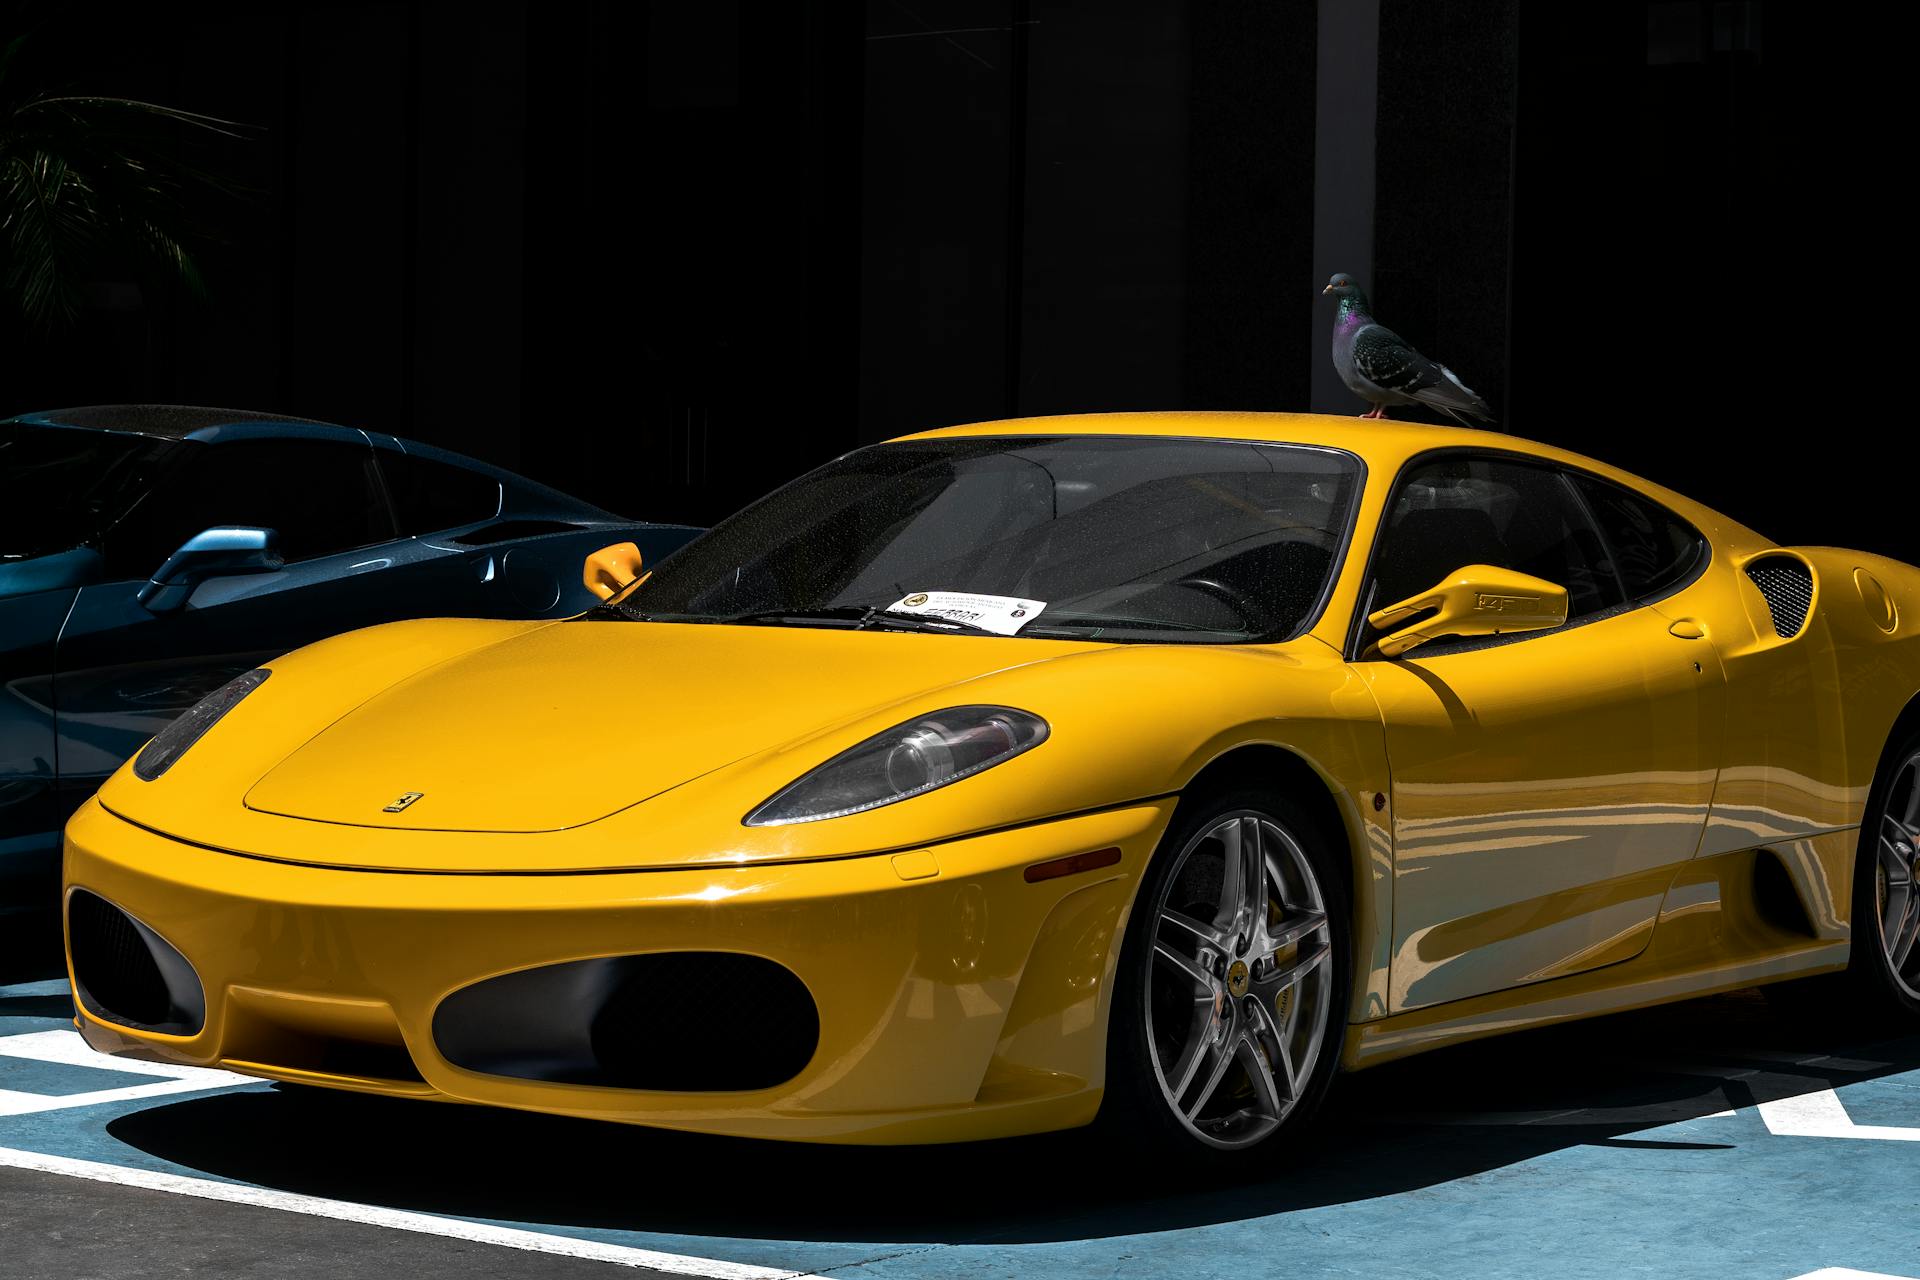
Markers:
(60, 486)
(322, 496)
(1654, 549)
(429, 496)
(1462, 510)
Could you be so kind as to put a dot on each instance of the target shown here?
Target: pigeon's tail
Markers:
(1453, 398)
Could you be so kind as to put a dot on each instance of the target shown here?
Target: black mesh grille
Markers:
(113, 965)
(1787, 585)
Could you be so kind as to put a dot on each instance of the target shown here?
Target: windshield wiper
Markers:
(1117, 622)
(924, 622)
(854, 613)
(613, 609)
(861, 616)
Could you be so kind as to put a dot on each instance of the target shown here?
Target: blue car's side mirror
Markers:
(214, 553)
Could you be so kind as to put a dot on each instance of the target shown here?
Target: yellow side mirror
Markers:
(613, 571)
(1479, 600)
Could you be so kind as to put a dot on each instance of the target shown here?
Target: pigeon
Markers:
(1378, 366)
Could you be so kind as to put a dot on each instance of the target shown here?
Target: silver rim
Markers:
(1893, 888)
(1239, 985)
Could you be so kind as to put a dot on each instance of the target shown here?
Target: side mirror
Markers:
(613, 571)
(1479, 600)
(214, 553)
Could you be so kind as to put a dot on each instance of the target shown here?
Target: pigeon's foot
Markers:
(1379, 411)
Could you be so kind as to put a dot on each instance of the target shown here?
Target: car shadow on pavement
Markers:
(1393, 1129)
(31, 950)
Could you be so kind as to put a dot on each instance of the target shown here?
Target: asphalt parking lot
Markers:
(1701, 1140)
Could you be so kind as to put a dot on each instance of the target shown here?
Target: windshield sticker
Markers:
(1003, 615)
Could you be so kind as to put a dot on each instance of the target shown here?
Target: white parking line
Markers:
(396, 1219)
(1847, 1273)
(68, 1049)
(1819, 1114)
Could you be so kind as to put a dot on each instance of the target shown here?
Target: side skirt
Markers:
(1721, 928)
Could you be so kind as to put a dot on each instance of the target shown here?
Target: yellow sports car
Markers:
(1151, 767)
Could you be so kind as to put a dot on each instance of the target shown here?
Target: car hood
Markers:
(565, 725)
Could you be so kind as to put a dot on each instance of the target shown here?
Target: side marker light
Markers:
(1072, 866)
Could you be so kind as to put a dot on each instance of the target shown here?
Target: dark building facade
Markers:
(666, 255)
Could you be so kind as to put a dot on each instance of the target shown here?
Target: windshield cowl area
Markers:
(1108, 538)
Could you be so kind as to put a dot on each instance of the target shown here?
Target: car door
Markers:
(57, 484)
(124, 670)
(433, 501)
(1546, 785)
(30, 615)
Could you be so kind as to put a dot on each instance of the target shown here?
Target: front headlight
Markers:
(906, 760)
(172, 742)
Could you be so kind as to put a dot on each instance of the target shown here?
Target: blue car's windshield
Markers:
(1115, 538)
(59, 486)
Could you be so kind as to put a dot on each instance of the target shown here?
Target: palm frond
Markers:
(90, 184)
(213, 124)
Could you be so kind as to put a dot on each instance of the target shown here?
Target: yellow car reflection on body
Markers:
(1142, 767)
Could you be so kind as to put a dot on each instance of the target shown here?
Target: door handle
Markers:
(1687, 629)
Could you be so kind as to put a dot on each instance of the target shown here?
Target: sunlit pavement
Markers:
(1708, 1139)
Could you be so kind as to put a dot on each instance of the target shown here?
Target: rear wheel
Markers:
(1882, 978)
(1233, 979)
(1886, 902)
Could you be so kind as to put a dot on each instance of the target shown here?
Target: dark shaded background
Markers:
(667, 255)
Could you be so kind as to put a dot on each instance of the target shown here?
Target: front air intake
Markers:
(1787, 585)
(126, 973)
(682, 1021)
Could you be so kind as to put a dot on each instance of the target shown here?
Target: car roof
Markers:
(169, 421)
(1384, 444)
(205, 425)
(1376, 440)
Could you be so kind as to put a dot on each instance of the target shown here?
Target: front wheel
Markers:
(1233, 977)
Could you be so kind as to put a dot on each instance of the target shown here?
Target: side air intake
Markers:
(124, 972)
(1787, 584)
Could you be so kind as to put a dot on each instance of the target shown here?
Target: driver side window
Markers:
(321, 496)
(1462, 509)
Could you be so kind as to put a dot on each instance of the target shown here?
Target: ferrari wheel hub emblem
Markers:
(1237, 978)
(403, 802)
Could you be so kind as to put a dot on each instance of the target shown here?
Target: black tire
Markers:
(1868, 994)
(1135, 1109)
(1877, 988)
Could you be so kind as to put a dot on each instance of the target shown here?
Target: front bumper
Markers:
(956, 1001)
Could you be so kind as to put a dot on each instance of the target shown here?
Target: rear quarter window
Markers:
(1654, 550)
(431, 496)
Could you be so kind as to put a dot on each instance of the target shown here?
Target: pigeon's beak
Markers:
(1328, 289)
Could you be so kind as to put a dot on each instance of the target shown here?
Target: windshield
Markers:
(59, 487)
(1114, 538)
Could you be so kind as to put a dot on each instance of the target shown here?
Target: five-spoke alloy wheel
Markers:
(1230, 1000)
(1896, 903)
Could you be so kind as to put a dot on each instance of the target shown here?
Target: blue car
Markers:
(149, 553)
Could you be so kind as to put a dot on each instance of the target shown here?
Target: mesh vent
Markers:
(1787, 585)
(128, 974)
